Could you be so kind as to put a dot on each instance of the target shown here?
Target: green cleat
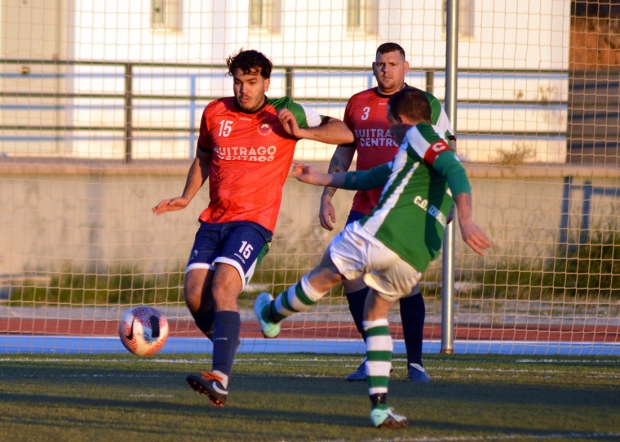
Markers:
(387, 419)
(269, 329)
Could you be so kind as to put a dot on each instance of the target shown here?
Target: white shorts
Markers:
(355, 252)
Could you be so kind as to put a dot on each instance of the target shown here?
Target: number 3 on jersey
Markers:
(225, 128)
(365, 111)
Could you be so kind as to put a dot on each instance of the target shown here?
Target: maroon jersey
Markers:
(366, 116)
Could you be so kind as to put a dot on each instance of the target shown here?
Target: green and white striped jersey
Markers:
(416, 200)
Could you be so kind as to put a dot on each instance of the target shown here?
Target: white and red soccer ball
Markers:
(143, 330)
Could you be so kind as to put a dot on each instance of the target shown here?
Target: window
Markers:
(166, 14)
(466, 17)
(265, 15)
(362, 16)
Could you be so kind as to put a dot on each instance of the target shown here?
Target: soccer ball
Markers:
(143, 330)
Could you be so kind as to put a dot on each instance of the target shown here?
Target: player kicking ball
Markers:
(391, 247)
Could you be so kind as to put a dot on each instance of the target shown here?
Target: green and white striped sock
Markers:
(297, 298)
(379, 349)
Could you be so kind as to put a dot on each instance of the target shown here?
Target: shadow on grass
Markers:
(119, 397)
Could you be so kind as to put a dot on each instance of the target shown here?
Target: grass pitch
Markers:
(300, 397)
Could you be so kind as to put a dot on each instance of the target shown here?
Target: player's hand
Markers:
(327, 213)
(303, 172)
(474, 237)
(289, 122)
(170, 205)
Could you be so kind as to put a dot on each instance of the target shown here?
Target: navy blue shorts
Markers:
(354, 215)
(241, 244)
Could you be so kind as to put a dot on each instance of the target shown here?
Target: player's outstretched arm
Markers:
(359, 180)
(198, 173)
(340, 162)
(471, 233)
(331, 131)
(309, 175)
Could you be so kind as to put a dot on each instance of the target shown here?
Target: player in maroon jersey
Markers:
(245, 150)
(374, 144)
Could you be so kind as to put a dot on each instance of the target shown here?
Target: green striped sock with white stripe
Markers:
(379, 349)
(298, 298)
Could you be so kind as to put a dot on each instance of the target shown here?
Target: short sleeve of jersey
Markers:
(204, 141)
(425, 140)
(305, 116)
(348, 110)
(437, 153)
(439, 118)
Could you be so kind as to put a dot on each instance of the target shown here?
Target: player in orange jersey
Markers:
(245, 150)
(365, 116)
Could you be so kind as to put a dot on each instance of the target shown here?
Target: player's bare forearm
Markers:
(308, 174)
(198, 173)
(340, 162)
(333, 131)
(471, 233)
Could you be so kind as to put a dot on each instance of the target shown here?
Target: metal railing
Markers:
(129, 96)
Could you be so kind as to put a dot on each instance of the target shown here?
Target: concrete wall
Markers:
(103, 214)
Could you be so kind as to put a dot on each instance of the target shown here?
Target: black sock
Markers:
(379, 401)
(225, 339)
(412, 313)
(356, 307)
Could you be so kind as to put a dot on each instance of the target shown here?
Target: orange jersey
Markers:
(251, 155)
(365, 116)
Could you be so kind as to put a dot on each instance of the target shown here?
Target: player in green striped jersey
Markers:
(393, 245)
(374, 145)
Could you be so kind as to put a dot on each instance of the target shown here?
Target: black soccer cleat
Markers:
(211, 385)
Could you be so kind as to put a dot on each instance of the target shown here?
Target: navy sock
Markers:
(225, 338)
(412, 313)
(356, 307)
(204, 321)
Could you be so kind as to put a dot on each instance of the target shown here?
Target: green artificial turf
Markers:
(298, 397)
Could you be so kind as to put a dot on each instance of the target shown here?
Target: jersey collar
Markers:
(379, 94)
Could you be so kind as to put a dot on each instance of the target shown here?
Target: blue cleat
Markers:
(269, 329)
(416, 373)
(387, 419)
(359, 374)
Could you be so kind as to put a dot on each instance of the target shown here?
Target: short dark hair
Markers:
(390, 47)
(412, 103)
(249, 61)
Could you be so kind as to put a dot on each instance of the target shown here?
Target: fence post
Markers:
(288, 87)
(430, 82)
(128, 115)
(584, 229)
(447, 274)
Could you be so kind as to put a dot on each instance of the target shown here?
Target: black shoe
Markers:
(211, 385)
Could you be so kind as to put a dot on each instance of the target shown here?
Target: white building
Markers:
(512, 89)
